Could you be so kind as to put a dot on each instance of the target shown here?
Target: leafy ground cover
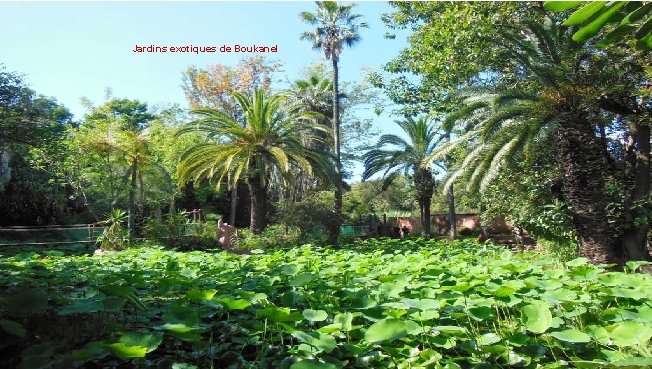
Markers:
(377, 304)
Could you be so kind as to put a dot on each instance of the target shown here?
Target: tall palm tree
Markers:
(551, 100)
(270, 142)
(312, 94)
(336, 27)
(406, 157)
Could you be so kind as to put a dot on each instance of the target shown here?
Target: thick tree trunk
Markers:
(424, 185)
(634, 240)
(452, 219)
(258, 194)
(425, 217)
(132, 199)
(234, 204)
(584, 186)
(334, 231)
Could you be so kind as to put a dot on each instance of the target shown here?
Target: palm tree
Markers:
(336, 27)
(269, 143)
(549, 101)
(407, 156)
(312, 94)
(498, 128)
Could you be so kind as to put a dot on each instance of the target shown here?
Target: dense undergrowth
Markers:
(377, 304)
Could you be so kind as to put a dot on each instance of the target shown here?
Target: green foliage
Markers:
(269, 142)
(620, 19)
(451, 44)
(34, 179)
(312, 215)
(273, 237)
(377, 304)
(114, 236)
(121, 138)
(369, 197)
(336, 27)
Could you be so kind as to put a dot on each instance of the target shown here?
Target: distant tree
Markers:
(33, 129)
(269, 143)
(336, 27)
(213, 88)
(118, 132)
(395, 156)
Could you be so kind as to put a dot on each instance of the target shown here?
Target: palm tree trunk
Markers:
(234, 204)
(258, 194)
(634, 240)
(425, 221)
(132, 199)
(452, 219)
(334, 232)
(584, 185)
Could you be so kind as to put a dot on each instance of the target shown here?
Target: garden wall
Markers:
(439, 224)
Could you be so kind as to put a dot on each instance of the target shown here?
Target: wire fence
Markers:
(50, 235)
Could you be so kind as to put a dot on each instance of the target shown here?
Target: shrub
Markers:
(115, 236)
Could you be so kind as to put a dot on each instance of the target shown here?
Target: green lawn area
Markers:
(376, 304)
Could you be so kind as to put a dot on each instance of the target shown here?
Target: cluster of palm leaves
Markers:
(269, 143)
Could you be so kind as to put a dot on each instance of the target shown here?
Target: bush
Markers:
(312, 216)
(179, 233)
(274, 236)
(189, 243)
(115, 236)
(564, 249)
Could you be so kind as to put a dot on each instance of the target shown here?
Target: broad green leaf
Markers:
(345, 320)
(571, 335)
(92, 350)
(645, 29)
(422, 304)
(302, 279)
(488, 339)
(635, 16)
(584, 13)
(385, 330)
(113, 304)
(312, 364)
(630, 333)
(125, 351)
(536, 317)
(277, 315)
(450, 329)
(81, 306)
(183, 366)
(201, 295)
(321, 341)
(290, 269)
(176, 327)
(315, 315)
(233, 304)
(481, 312)
(632, 363)
(645, 43)
(596, 25)
(560, 6)
(27, 302)
(149, 340)
(12, 327)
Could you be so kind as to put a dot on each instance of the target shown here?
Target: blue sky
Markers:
(72, 49)
(69, 50)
